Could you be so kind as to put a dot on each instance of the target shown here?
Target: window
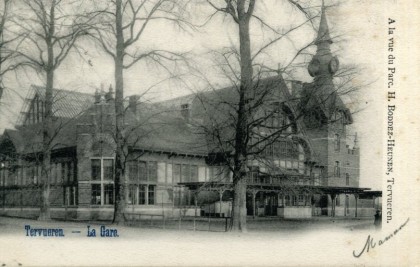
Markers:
(59, 174)
(133, 171)
(300, 199)
(96, 194)
(102, 171)
(337, 142)
(337, 169)
(287, 200)
(53, 178)
(253, 175)
(2, 177)
(301, 168)
(33, 173)
(294, 198)
(132, 194)
(152, 171)
(143, 171)
(109, 194)
(151, 194)
(347, 179)
(70, 195)
(276, 148)
(280, 201)
(286, 123)
(316, 179)
(142, 178)
(108, 169)
(194, 173)
(142, 194)
(176, 172)
(96, 169)
(185, 173)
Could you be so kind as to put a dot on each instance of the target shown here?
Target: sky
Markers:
(359, 26)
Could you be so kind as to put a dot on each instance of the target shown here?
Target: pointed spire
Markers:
(323, 63)
(323, 31)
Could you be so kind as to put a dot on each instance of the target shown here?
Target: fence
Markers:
(192, 223)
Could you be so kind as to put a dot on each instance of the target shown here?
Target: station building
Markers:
(176, 164)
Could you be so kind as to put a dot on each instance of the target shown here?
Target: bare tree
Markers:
(49, 30)
(7, 54)
(119, 31)
(245, 144)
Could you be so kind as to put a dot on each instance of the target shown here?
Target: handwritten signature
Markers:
(371, 244)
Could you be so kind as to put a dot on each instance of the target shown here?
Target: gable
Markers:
(66, 104)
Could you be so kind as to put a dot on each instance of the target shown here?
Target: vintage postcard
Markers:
(209, 133)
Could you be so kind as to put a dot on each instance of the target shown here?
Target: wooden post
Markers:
(220, 200)
(179, 221)
(195, 211)
(254, 193)
(356, 196)
(209, 210)
(332, 205)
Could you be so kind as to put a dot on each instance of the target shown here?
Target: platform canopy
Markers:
(281, 188)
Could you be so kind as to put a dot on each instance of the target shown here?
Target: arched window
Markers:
(347, 179)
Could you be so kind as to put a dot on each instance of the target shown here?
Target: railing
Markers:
(194, 223)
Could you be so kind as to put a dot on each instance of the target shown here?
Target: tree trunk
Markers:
(241, 138)
(119, 120)
(47, 120)
(47, 134)
(239, 207)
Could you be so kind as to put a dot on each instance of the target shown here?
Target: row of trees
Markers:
(42, 34)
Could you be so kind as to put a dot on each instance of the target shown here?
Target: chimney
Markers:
(110, 95)
(97, 96)
(132, 103)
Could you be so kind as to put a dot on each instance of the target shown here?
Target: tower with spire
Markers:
(326, 116)
(323, 65)
(323, 94)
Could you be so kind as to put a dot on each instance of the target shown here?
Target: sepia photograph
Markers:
(209, 133)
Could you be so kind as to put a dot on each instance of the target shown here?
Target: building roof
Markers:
(165, 131)
(156, 127)
(66, 103)
(28, 139)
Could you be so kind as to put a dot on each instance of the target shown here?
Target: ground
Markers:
(269, 241)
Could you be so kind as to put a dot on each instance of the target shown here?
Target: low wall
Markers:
(101, 213)
(294, 212)
(350, 212)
